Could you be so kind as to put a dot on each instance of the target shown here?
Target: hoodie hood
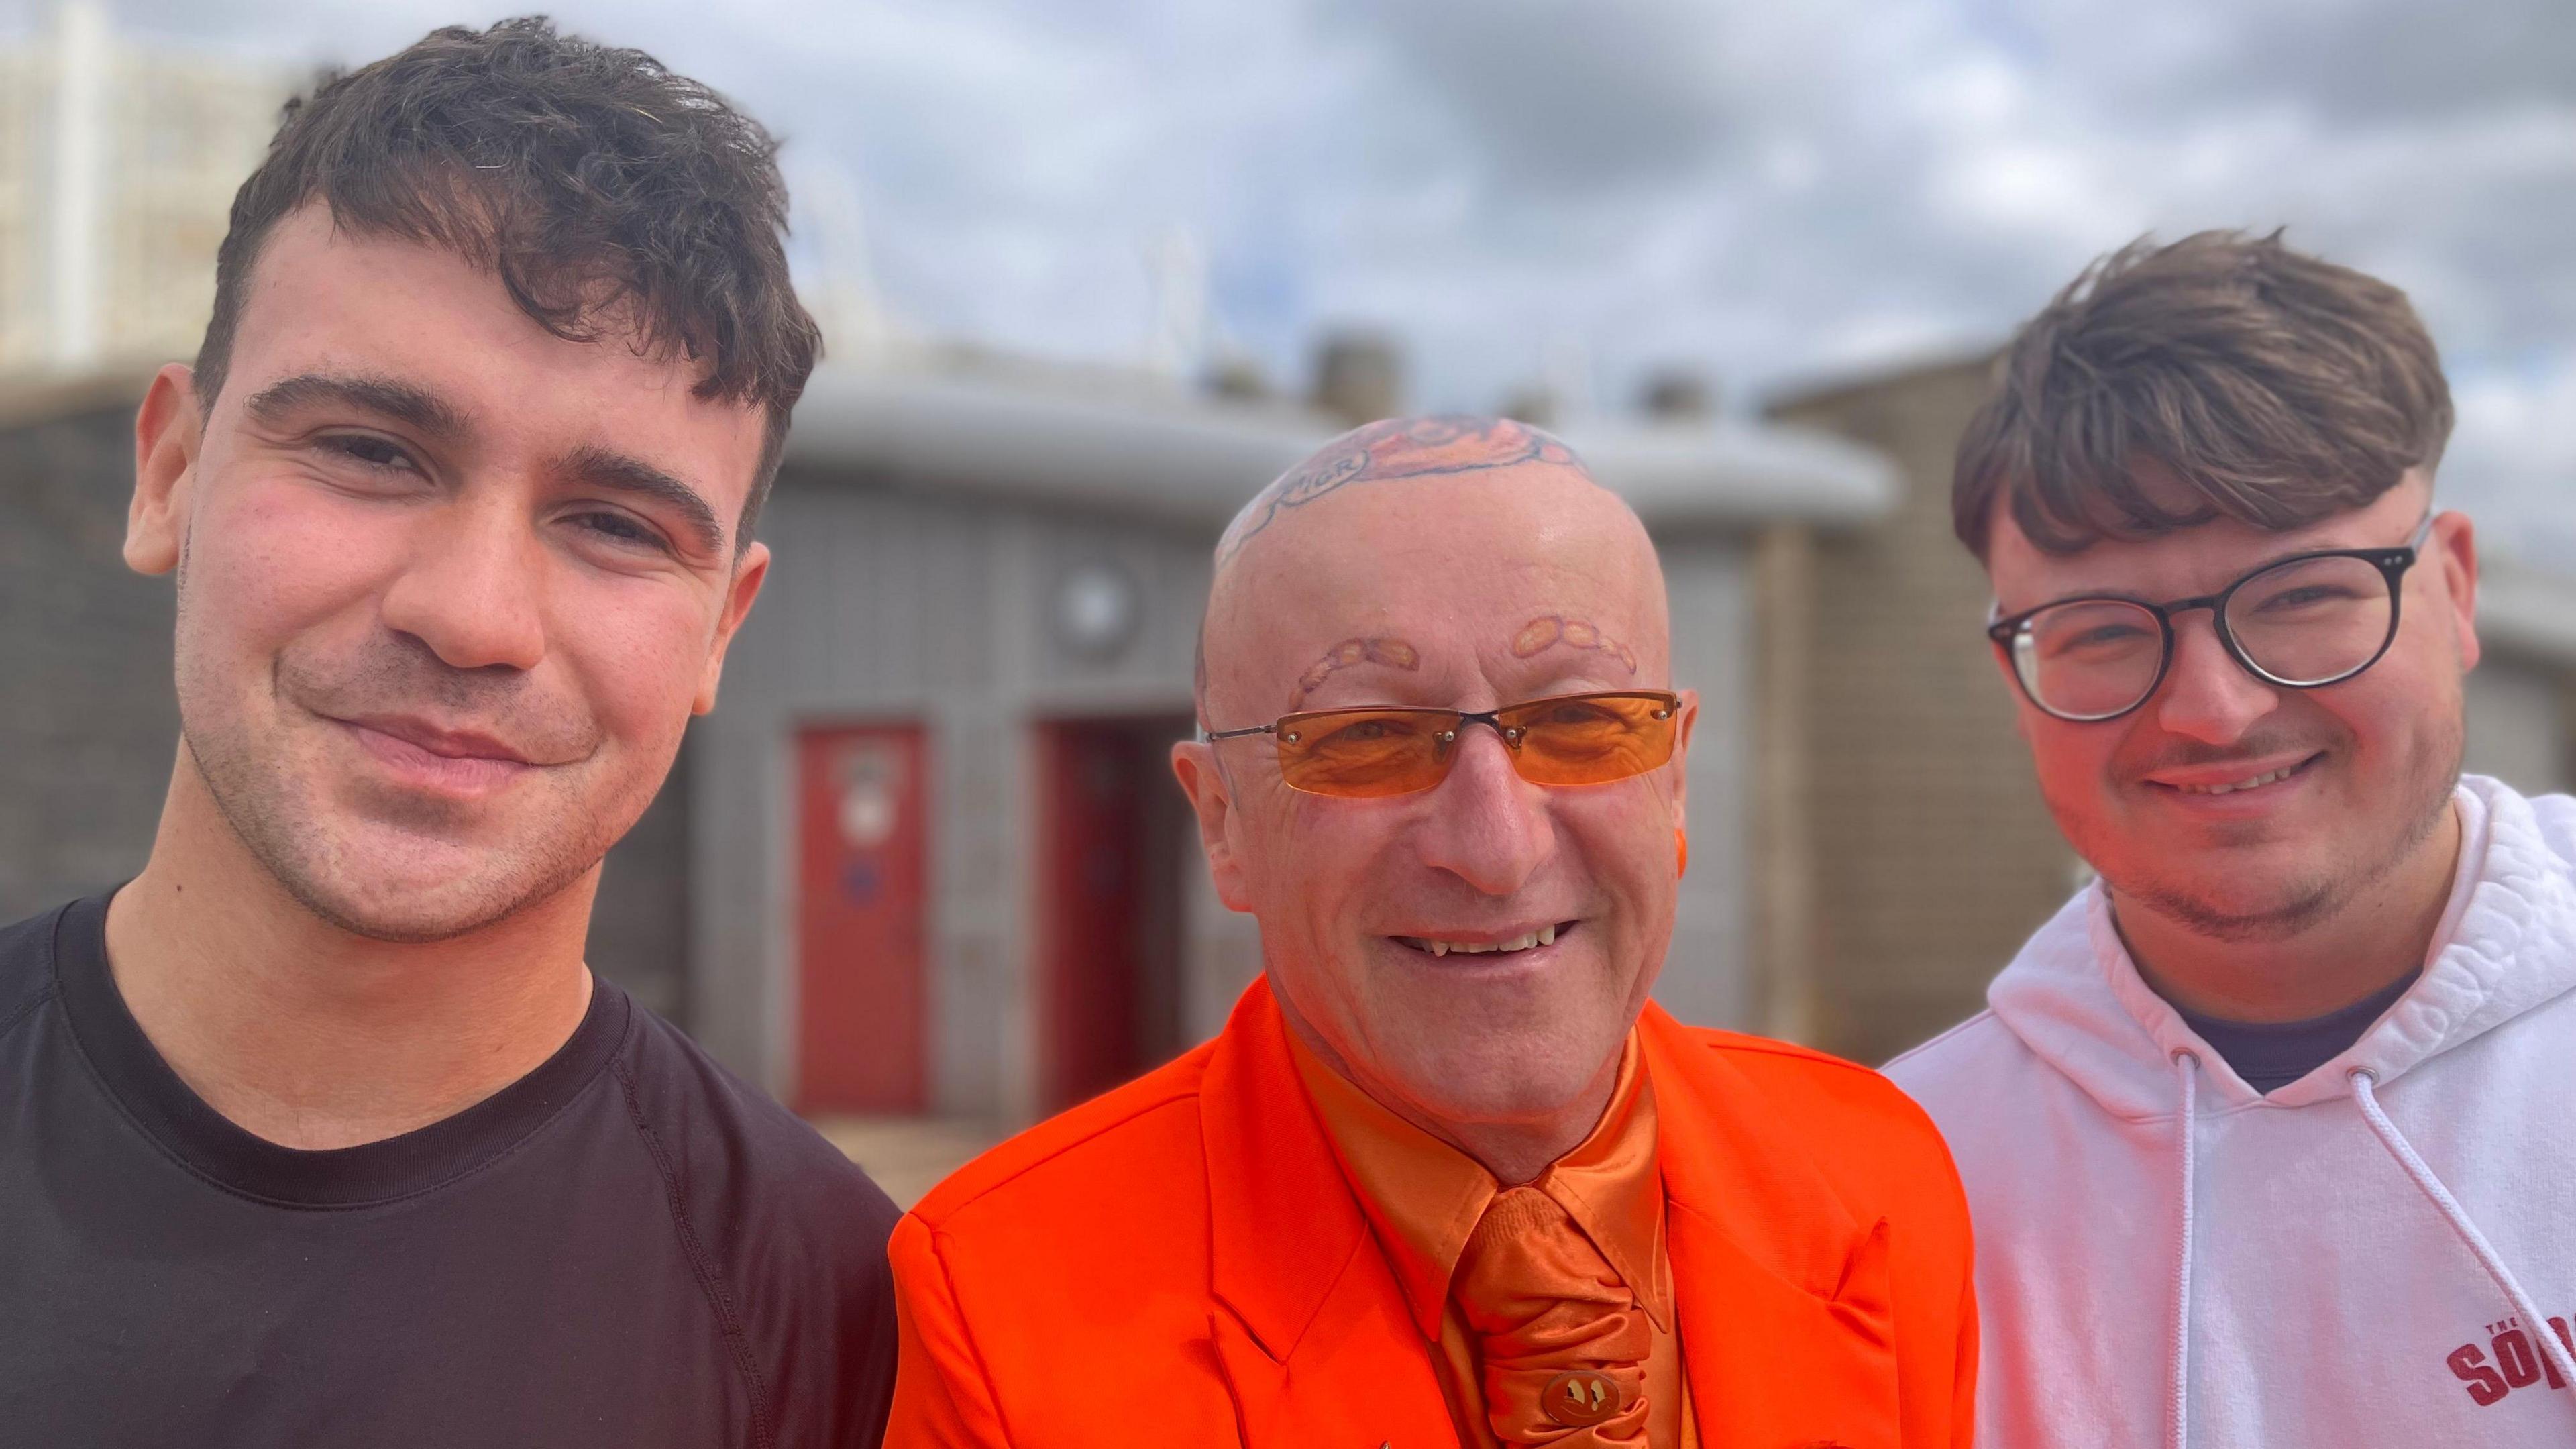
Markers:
(2076, 1000)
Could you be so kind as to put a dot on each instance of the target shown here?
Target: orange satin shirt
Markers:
(1423, 1198)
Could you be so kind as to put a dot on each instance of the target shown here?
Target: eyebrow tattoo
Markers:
(1393, 653)
(414, 407)
(1549, 630)
(1396, 448)
(619, 473)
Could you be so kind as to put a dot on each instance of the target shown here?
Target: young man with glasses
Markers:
(2266, 1133)
(320, 1131)
(1446, 1177)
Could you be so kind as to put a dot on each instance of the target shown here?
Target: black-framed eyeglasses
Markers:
(2302, 622)
(1564, 739)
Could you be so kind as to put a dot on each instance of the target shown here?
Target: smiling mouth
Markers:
(448, 765)
(1433, 946)
(2250, 782)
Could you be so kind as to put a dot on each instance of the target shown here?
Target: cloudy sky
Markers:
(1581, 191)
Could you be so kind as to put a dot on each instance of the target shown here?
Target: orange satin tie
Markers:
(1562, 1339)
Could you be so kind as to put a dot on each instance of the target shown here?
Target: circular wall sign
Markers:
(1098, 610)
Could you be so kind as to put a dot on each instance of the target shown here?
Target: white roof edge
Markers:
(926, 432)
(1196, 460)
(1735, 473)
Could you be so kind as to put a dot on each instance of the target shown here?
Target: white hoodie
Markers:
(2367, 1257)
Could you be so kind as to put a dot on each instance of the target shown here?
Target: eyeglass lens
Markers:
(2305, 622)
(1570, 740)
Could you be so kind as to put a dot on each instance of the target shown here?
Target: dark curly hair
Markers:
(606, 193)
(2277, 387)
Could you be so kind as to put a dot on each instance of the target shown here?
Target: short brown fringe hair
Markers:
(2279, 388)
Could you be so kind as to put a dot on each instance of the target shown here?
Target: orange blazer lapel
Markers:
(1310, 1328)
(1787, 1322)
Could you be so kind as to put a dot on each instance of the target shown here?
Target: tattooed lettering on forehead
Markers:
(1393, 653)
(1396, 448)
(1549, 630)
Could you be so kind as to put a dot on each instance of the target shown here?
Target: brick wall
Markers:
(1933, 856)
(88, 724)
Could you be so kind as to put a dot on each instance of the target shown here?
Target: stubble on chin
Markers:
(379, 862)
(2285, 907)
(2289, 910)
(409, 885)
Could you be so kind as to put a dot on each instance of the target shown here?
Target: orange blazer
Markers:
(1181, 1262)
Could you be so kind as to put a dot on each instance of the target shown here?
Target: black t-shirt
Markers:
(627, 1247)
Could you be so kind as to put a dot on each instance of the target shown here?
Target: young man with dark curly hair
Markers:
(320, 1131)
(2265, 1136)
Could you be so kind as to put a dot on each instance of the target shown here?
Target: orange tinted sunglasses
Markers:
(1564, 739)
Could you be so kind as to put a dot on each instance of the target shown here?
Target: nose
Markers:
(2206, 695)
(470, 589)
(1487, 825)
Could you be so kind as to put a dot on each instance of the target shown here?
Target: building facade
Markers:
(118, 163)
(937, 861)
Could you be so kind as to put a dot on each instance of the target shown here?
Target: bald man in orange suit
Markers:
(1447, 1178)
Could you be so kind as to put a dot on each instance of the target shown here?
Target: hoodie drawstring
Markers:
(2177, 1424)
(2398, 1147)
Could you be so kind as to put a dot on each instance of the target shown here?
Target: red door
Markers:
(861, 822)
(1109, 950)
(1092, 792)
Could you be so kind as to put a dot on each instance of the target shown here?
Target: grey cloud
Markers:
(1569, 96)
(2354, 62)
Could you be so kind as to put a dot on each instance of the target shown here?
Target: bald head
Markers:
(1421, 516)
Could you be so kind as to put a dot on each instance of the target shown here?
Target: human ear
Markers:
(1681, 755)
(2012, 687)
(168, 431)
(2453, 549)
(749, 572)
(1194, 765)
